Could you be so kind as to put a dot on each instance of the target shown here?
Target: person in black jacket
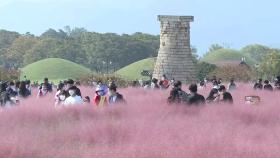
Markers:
(23, 91)
(176, 93)
(115, 97)
(258, 85)
(267, 86)
(195, 98)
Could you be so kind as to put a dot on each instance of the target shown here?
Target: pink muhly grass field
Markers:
(144, 128)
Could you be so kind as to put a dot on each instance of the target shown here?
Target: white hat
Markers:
(98, 88)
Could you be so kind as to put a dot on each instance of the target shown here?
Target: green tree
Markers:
(14, 56)
(77, 32)
(51, 33)
(204, 69)
(256, 52)
(44, 48)
(6, 40)
(270, 65)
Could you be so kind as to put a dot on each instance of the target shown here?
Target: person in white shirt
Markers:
(73, 99)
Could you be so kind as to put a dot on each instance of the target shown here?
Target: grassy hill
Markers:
(53, 68)
(133, 71)
(226, 56)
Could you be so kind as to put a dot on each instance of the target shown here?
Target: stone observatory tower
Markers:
(175, 58)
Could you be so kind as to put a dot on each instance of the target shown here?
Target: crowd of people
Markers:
(267, 86)
(68, 92)
(218, 94)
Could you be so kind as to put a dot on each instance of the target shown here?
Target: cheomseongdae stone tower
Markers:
(175, 57)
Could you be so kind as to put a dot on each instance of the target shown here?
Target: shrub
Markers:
(89, 79)
(9, 74)
(239, 73)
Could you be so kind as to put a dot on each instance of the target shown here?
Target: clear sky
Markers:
(233, 23)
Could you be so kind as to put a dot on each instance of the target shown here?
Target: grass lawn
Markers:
(133, 71)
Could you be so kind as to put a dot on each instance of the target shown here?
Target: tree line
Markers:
(90, 49)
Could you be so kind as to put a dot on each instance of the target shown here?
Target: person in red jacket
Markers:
(164, 83)
(100, 98)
